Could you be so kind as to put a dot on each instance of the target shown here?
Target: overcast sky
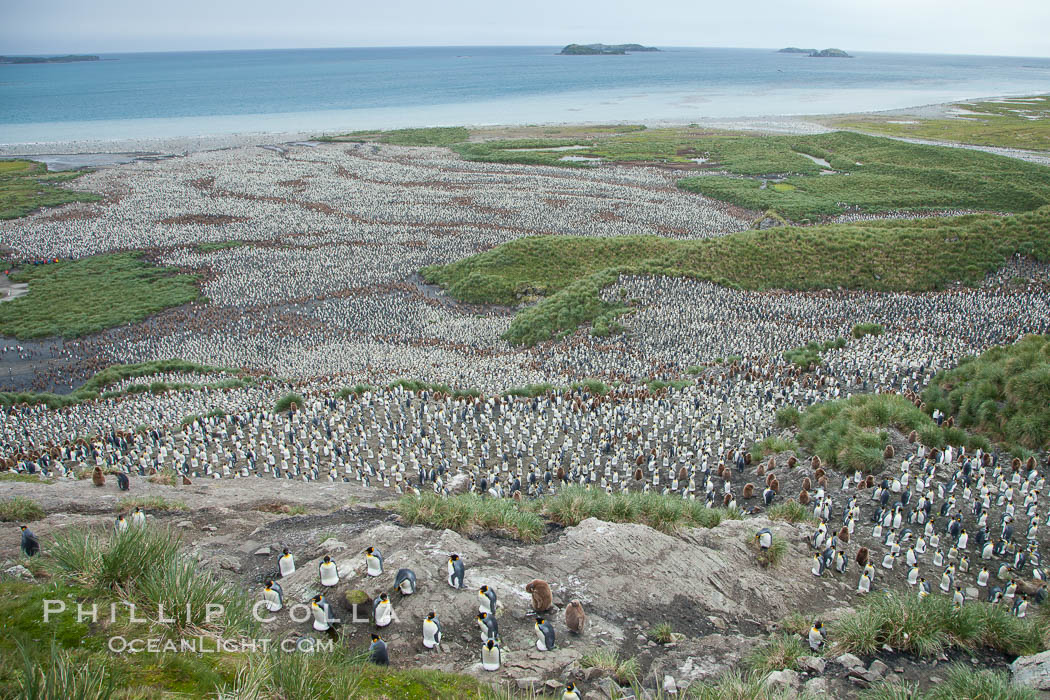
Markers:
(1002, 27)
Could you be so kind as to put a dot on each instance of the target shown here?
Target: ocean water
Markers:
(325, 90)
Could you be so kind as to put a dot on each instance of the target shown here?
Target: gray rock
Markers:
(20, 572)
(669, 686)
(785, 681)
(209, 528)
(849, 661)
(1032, 671)
(184, 524)
(263, 551)
(816, 687)
(878, 669)
(813, 664)
(529, 683)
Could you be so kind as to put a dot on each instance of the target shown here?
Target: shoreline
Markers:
(168, 146)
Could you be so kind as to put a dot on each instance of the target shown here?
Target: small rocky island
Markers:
(830, 53)
(603, 49)
(47, 59)
(814, 53)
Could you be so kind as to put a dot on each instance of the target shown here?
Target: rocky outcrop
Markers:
(1032, 671)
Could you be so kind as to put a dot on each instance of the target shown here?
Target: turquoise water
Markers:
(188, 94)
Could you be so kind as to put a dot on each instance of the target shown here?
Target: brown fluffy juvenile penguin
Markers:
(97, 477)
(541, 595)
(749, 490)
(862, 556)
(575, 618)
(803, 497)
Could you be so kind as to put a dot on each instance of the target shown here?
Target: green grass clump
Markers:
(1004, 393)
(852, 433)
(62, 678)
(774, 445)
(72, 298)
(572, 505)
(965, 683)
(152, 504)
(519, 152)
(862, 329)
(782, 651)
(771, 556)
(1023, 124)
(623, 671)
(26, 186)
(790, 511)
(285, 403)
(467, 513)
(787, 417)
(219, 245)
(929, 626)
(569, 272)
(20, 510)
(428, 136)
(24, 478)
(662, 633)
(809, 355)
(733, 685)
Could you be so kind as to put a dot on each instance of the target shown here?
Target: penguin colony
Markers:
(327, 285)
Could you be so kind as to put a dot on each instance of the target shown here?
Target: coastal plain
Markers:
(582, 354)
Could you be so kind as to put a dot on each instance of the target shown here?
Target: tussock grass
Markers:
(662, 633)
(780, 652)
(467, 513)
(734, 685)
(570, 271)
(572, 505)
(62, 678)
(790, 511)
(623, 671)
(24, 478)
(76, 297)
(1004, 393)
(20, 510)
(809, 355)
(965, 683)
(862, 329)
(787, 416)
(929, 626)
(155, 504)
(795, 623)
(285, 402)
(851, 433)
(892, 690)
(772, 556)
(774, 445)
(426, 136)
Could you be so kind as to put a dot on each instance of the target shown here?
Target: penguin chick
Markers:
(542, 598)
(575, 618)
(97, 477)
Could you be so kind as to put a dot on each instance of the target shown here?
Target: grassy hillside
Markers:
(571, 270)
(1004, 393)
(26, 186)
(76, 297)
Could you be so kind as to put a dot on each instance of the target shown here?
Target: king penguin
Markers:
(405, 581)
(816, 636)
(864, 585)
(121, 524)
(373, 561)
(431, 631)
(30, 546)
(487, 600)
(764, 537)
(322, 613)
(570, 692)
(377, 652)
(490, 656)
(544, 635)
(286, 562)
(329, 572)
(138, 518)
(382, 610)
(818, 565)
(122, 481)
(273, 596)
(488, 626)
(455, 571)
